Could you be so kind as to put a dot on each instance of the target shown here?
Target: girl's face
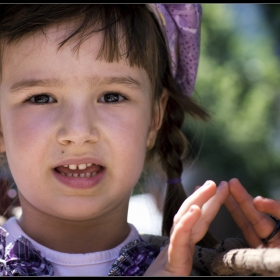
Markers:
(75, 129)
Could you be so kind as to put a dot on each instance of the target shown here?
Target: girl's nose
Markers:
(78, 126)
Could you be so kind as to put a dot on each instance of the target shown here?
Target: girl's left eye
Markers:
(112, 97)
(41, 99)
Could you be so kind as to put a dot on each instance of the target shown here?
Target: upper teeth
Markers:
(80, 166)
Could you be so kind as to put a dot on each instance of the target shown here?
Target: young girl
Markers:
(89, 95)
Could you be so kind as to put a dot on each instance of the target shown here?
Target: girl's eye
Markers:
(41, 99)
(111, 97)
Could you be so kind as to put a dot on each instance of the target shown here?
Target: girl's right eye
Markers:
(41, 99)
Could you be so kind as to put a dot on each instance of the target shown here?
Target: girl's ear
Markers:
(158, 113)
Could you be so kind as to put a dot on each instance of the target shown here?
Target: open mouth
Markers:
(85, 170)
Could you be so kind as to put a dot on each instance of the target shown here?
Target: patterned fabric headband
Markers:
(180, 24)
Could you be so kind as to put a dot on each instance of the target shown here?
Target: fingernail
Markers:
(193, 208)
(207, 183)
(223, 183)
(260, 197)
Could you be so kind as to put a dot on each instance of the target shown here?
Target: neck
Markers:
(73, 236)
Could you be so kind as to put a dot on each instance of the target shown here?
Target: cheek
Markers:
(127, 134)
(130, 128)
(24, 131)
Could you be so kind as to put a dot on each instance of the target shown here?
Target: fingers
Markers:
(209, 199)
(199, 197)
(242, 222)
(213, 205)
(253, 223)
(271, 207)
(176, 259)
(267, 205)
(181, 249)
(209, 211)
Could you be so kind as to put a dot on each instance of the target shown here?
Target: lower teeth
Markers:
(82, 175)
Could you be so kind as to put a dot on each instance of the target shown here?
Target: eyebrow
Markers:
(124, 80)
(36, 83)
(95, 80)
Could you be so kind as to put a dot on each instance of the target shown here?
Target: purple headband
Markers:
(180, 24)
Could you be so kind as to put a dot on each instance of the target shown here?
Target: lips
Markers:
(79, 174)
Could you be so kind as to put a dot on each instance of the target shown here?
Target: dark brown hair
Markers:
(144, 47)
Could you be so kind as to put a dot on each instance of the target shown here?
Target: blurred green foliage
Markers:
(238, 83)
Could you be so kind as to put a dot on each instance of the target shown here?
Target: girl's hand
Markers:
(250, 214)
(190, 225)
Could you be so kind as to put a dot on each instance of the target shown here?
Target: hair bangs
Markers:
(129, 31)
(124, 37)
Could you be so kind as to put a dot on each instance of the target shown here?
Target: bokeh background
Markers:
(238, 82)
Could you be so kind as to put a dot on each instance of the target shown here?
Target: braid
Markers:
(171, 146)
